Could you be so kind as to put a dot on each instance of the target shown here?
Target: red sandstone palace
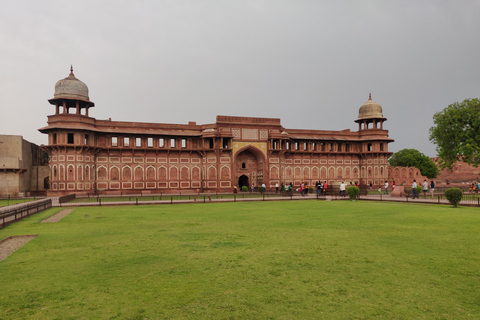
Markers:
(89, 156)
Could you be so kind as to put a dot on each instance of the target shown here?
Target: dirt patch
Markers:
(13, 243)
(58, 216)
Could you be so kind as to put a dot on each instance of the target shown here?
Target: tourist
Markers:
(235, 190)
(432, 187)
(425, 188)
(342, 189)
(325, 187)
(386, 187)
(319, 188)
(276, 187)
(302, 187)
(414, 189)
(393, 185)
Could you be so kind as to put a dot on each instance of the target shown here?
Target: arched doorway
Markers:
(249, 167)
(243, 181)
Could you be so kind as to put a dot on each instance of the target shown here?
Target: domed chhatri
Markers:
(71, 93)
(71, 88)
(370, 110)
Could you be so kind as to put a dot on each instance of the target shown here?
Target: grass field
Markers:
(268, 260)
(9, 202)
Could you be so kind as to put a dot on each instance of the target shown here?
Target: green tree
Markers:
(414, 158)
(456, 133)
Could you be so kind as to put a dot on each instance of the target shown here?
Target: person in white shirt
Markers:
(425, 188)
(414, 189)
(386, 187)
(342, 189)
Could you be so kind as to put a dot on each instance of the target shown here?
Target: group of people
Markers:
(475, 186)
(321, 187)
(424, 188)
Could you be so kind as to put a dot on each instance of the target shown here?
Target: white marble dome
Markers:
(370, 110)
(71, 88)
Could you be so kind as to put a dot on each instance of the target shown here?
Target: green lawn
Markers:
(9, 202)
(265, 260)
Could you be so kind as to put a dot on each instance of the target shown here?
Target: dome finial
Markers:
(369, 96)
(71, 69)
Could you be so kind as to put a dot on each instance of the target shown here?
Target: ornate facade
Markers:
(89, 156)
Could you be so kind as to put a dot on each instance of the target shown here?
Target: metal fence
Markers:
(186, 198)
(17, 212)
(468, 200)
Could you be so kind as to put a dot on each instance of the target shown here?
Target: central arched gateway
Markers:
(243, 181)
(249, 167)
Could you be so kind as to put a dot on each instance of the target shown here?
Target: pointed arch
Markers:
(151, 173)
(102, 173)
(71, 172)
(127, 173)
(184, 173)
(114, 173)
(162, 173)
(138, 173)
(80, 172)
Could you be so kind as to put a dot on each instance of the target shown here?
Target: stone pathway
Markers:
(13, 243)
(58, 216)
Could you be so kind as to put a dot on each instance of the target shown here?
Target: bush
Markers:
(244, 188)
(261, 189)
(353, 192)
(454, 195)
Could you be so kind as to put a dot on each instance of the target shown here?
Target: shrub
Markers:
(353, 192)
(244, 188)
(261, 189)
(454, 195)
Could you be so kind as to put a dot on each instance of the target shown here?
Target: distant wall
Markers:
(405, 175)
(461, 173)
(17, 160)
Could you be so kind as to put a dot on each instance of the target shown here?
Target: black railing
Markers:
(17, 212)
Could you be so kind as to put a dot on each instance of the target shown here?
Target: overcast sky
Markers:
(310, 63)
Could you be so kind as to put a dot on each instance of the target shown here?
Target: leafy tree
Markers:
(456, 133)
(414, 158)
